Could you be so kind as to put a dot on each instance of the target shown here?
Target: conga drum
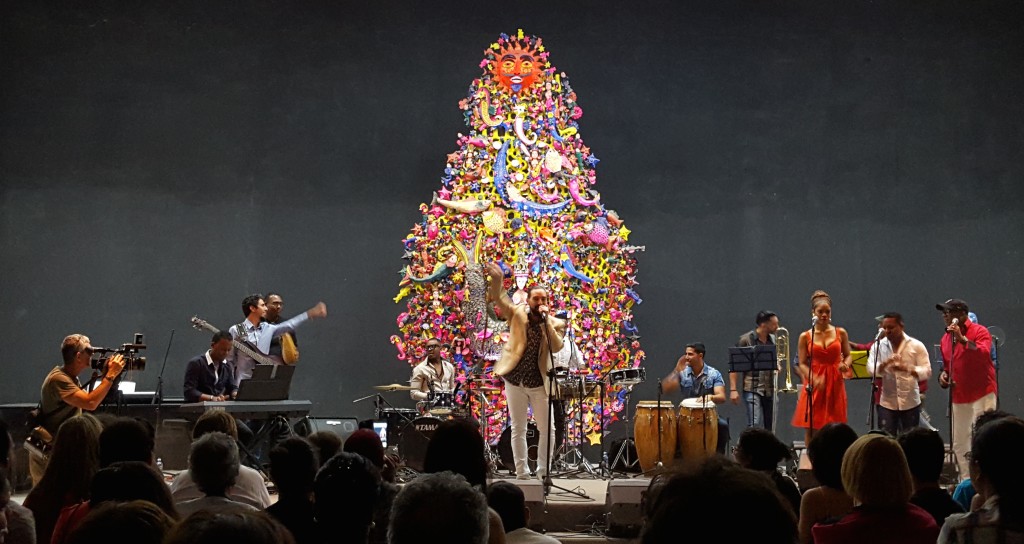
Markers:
(698, 429)
(645, 432)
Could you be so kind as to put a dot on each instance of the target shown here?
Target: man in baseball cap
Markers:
(967, 365)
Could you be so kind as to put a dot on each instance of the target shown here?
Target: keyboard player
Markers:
(208, 376)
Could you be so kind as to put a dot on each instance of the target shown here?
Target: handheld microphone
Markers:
(814, 321)
(955, 321)
(881, 333)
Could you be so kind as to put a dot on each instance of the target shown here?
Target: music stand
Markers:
(743, 359)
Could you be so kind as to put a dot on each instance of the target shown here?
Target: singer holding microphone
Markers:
(967, 364)
(525, 365)
(824, 355)
(902, 362)
(433, 374)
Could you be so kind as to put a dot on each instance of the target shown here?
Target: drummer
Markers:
(432, 374)
(697, 380)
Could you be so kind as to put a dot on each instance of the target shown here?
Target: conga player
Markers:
(698, 380)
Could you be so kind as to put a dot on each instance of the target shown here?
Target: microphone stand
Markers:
(550, 431)
(809, 386)
(876, 390)
(949, 405)
(158, 395)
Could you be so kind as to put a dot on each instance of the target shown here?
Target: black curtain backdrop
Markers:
(164, 159)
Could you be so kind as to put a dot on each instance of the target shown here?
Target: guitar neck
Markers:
(255, 355)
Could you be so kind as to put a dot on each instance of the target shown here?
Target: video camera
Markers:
(130, 352)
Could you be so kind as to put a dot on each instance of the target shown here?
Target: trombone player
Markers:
(758, 388)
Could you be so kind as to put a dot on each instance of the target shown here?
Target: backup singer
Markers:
(901, 362)
(525, 364)
(433, 374)
(968, 346)
(824, 364)
(758, 387)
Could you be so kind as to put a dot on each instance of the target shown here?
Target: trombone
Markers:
(782, 355)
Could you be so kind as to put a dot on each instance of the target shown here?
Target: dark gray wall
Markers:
(160, 160)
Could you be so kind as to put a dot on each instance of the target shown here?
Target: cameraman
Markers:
(62, 396)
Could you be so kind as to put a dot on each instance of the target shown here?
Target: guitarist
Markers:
(258, 333)
(284, 348)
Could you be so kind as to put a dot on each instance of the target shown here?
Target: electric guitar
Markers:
(240, 345)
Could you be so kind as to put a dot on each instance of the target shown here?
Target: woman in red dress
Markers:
(824, 364)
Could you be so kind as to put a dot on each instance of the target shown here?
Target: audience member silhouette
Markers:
(828, 501)
(443, 505)
(996, 474)
(133, 522)
(213, 463)
(293, 467)
(344, 494)
(73, 462)
(509, 502)
(758, 449)
(875, 474)
(734, 491)
(250, 527)
(249, 486)
(926, 454)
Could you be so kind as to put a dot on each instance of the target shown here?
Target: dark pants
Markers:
(897, 422)
(723, 435)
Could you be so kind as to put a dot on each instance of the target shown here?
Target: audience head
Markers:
(131, 480)
(75, 457)
(987, 417)
(457, 446)
(213, 463)
(826, 453)
(509, 502)
(439, 504)
(759, 449)
(134, 522)
(326, 444)
(345, 492)
(250, 527)
(995, 466)
(215, 421)
(293, 466)
(875, 472)
(365, 442)
(127, 439)
(925, 454)
(767, 517)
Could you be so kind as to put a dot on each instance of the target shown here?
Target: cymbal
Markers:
(393, 387)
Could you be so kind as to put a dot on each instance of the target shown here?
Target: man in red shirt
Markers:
(967, 364)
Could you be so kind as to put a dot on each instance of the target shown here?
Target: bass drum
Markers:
(416, 435)
(505, 448)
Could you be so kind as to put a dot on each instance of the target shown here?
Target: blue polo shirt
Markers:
(702, 384)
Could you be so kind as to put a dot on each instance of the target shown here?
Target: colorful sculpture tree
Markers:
(519, 191)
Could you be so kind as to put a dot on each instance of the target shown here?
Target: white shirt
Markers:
(569, 356)
(248, 489)
(425, 372)
(523, 535)
(900, 390)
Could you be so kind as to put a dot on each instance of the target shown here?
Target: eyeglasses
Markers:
(968, 456)
(89, 351)
(432, 347)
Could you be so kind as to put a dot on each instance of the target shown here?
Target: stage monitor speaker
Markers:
(623, 502)
(341, 426)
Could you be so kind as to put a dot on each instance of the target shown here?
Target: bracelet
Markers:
(108, 378)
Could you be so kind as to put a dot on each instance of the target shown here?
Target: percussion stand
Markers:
(583, 465)
(623, 452)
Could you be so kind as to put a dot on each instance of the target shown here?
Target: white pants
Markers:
(963, 421)
(518, 399)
